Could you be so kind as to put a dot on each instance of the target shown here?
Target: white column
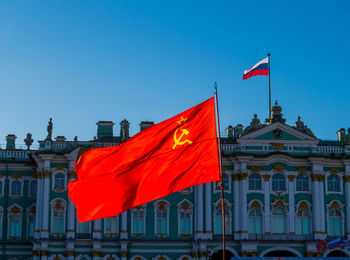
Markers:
(199, 211)
(322, 207)
(236, 206)
(291, 194)
(38, 205)
(208, 212)
(71, 210)
(46, 206)
(244, 214)
(124, 226)
(347, 206)
(316, 209)
(97, 232)
(267, 210)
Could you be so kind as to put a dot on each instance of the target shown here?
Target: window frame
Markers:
(16, 196)
(182, 210)
(339, 177)
(138, 210)
(279, 181)
(61, 206)
(53, 181)
(255, 181)
(157, 205)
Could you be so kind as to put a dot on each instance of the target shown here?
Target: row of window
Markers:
(16, 186)
(279, 221)
(279, 182)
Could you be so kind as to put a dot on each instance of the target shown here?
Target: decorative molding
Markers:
(302, 170)
(44, 253)
(72, 175)
(123, 253)
(59, 168)
(347, 178)
(36, 175)
(47, 174)
(35, 253)
(16, 176)
(236, 177)
(96, 253)
(255, 169)
(317, 177)
(255, 205)
(278, 168)
(244, 175)
(334, 171)
(68, 253)
(267, 177)
(291, 178)
(277, 146)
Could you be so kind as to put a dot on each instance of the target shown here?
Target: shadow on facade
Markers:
(218, 255)
(280, 253)
(337, 253)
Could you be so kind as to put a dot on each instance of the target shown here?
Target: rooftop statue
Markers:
(28, 141)
(299, 125)
(254, 125)
(49, 130)
(124, 130)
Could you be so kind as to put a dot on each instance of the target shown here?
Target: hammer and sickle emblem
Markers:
(178, 140)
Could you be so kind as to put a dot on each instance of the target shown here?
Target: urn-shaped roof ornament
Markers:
(277, 114)
(28, 140)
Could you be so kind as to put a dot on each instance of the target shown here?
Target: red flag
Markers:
(173, 155)
(321, 245)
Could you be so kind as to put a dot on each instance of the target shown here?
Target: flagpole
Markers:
(268, 56)
(221, 176)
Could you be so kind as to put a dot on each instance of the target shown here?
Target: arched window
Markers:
(255, 181)
(31, 222)
(33, 188)
(15, 223)
(59, 181)
(185, 218)
(333, 183)
(218, 218)
(278, 221)
(334, 227)
(255, 219)
(302, 182)
(278, 182)
(162, 217)
(138, 215)
(58, 218)
(303, 219)
(16, 188)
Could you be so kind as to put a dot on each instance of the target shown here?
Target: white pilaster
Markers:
(236, 206)
(70, 212)
(347, 196)
(267, 209)
(291, 199)
(322, 207)
(97, 232)
(199, 211)
(244, 214)
(315, 205)
(46, 206)
(124, 226)
(208, 212)
(38, 206)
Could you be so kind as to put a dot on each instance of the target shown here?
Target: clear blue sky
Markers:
(83, 61)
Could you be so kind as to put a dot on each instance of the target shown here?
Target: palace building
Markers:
(285, 190)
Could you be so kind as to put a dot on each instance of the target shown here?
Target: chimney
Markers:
(145, 124)
(229, 132)
(10, 141)
(341, 134)
(104, 129)
(238, 129)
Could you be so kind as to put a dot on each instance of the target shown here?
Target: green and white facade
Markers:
(285, 190)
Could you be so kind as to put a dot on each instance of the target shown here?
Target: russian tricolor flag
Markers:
(261, 68)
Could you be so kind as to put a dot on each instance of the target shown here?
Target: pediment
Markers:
(278, 133)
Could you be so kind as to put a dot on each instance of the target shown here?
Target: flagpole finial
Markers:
(215, 86)
(269, 54)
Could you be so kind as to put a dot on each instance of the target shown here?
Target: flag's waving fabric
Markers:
(261, 68)
(170, 156)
